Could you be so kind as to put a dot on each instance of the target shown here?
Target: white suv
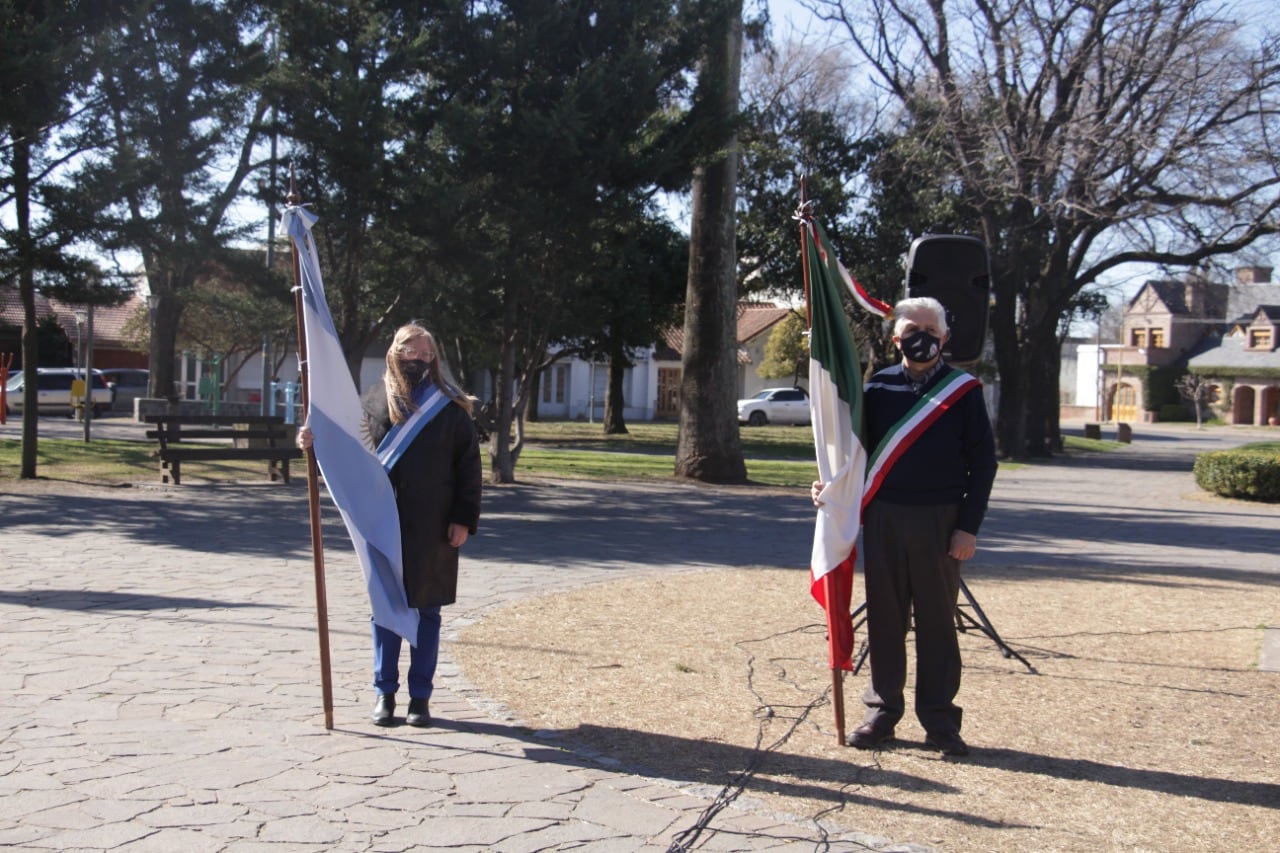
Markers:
(54, 394)
(775, 406)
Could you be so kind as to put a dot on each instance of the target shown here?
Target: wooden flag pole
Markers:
(837, 674)
(313, 488)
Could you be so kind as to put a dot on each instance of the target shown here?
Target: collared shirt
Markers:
(918, 385)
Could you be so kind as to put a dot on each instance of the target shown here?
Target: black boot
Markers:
(384, 710)
(418, 714)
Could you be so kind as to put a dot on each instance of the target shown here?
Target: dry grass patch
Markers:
(1147, 727)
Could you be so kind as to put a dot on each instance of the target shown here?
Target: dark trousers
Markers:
(422, 656)
(907, 570)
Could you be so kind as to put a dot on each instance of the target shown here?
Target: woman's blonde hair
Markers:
(399, 397)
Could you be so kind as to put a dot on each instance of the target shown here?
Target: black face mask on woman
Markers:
(414, 370)
(920, 346)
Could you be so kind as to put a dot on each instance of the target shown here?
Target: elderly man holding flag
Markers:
(928, 482)
(911, 463)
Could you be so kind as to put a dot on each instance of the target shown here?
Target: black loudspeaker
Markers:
(955, 271)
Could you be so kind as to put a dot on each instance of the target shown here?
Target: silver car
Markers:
(54, 391)
(127, 384)
(775, 406)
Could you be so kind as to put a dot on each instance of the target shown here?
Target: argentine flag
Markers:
(352, 473)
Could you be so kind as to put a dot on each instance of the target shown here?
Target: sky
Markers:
(1123, 283)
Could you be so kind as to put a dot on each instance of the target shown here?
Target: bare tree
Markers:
(1198, 391)
(1083, 136)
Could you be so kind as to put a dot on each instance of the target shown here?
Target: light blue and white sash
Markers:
(430, 401)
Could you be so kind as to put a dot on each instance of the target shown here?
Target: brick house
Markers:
(1243, 363)
(1225, 333)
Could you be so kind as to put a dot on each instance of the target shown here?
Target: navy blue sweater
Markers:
(952, 462)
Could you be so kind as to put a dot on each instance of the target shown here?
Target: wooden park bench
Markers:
(212, 438)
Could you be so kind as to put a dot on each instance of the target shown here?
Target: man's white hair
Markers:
(909, 309)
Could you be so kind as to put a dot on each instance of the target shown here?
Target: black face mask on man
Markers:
(414, 370)
(920, 346)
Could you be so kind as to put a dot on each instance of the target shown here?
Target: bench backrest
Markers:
(215, 420)
(174, 428)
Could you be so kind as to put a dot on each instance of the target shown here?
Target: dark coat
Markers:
(436, 483)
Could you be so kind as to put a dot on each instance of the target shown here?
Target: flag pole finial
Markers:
(804, 210)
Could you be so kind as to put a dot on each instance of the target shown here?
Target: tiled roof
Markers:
(1245, 299)
(753, 319)
(108, 323)
(1271, 312)
(1171, 293)
(757, 317)
(1230, 352)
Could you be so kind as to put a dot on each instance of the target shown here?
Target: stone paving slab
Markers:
(161, 689)
(1270, 661)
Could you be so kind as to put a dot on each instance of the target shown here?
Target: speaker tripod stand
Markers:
(964, 621)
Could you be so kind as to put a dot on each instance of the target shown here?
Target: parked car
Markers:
(775, 406)
(54, 391)
(127, 384)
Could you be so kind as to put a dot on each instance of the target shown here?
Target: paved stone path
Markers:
(160, 685)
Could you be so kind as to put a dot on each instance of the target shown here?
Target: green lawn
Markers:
(781, 442)
(109, 462)
(775, 456)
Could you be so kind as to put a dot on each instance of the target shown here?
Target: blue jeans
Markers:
(422, 656)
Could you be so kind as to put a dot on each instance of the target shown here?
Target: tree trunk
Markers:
(27, 291)
(1053, 425)
(614, 402)
(709, 447)
(1043, 401)
(502, 463)
(164, 332)
(535, 392)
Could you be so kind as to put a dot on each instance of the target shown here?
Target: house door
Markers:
(668, 404)
(1124, 407)
(1242, 405)
(1269, 411)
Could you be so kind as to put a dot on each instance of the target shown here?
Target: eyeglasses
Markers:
(411, 352)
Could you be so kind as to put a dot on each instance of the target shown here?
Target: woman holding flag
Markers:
(419, 421)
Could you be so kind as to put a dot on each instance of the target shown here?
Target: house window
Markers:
(1157, 338)
(1260, 339)
(553, 380)
(1138, 338)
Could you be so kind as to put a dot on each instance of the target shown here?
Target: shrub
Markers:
(1248, 473)
(1174, 413)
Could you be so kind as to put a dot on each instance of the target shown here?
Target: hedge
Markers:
(1251, 474)
(1175, 413)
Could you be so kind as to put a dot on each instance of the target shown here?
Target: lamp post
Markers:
(80, 321)
(1115, 398)
(88, 371)
(79, 363)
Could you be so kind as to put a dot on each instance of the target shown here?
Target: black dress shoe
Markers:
(418, 714)
(384, 710)
(948, 743)
(869, 737)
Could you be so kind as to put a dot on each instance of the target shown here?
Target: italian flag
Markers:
(835, 402)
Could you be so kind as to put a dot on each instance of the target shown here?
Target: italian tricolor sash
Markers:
(431, 401)
(932, 405)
